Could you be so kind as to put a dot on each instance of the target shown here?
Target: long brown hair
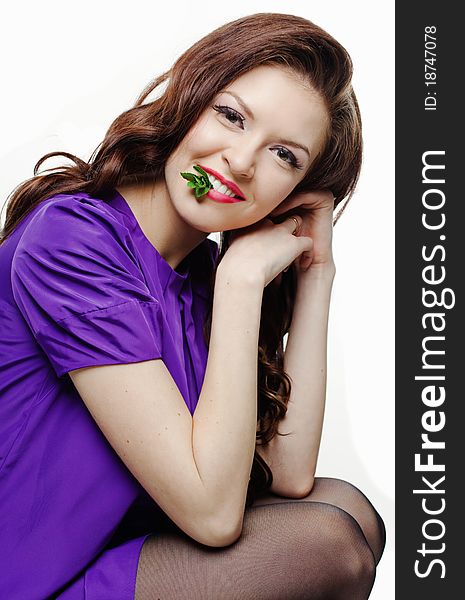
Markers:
(140, 140)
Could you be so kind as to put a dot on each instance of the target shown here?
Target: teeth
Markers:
(220, 187)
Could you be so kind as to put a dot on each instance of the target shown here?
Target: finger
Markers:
(306, 259)
(313, 199)
(293, 224)
(304, 255)
(306, 244)
(266, 222)
(288, 204)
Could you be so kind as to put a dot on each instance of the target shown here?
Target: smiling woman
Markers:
(248, 150)
(157, 440)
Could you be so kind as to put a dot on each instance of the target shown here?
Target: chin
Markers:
(200, 224)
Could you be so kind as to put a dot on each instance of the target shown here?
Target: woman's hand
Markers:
(263, 250)
(316, 210)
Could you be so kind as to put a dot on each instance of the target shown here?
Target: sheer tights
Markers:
(324, 546)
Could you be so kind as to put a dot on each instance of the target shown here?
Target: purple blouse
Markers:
(81, 285)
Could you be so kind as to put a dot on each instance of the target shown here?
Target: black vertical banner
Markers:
(430, 256)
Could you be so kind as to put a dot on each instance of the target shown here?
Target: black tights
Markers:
(323, 546)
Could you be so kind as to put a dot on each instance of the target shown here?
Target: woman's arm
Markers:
(293, 458)
(225, 419)
(198, 468)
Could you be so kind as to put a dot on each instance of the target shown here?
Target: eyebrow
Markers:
(247, 110)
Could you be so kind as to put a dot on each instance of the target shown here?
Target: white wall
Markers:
(69, 70)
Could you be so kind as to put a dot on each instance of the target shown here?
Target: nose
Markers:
(241, 159)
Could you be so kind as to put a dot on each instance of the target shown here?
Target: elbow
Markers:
(216, 524)
(302, 489)
(226, 538)
(213, 531)
(221, 533)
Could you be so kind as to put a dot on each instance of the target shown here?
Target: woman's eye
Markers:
(287, 156)
(230, 114)
(235, 118)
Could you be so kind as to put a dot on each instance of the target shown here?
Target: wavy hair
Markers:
(140, 140)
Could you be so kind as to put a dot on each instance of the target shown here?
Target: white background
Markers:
(69, 69)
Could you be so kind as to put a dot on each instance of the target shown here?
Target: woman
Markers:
(145, 452)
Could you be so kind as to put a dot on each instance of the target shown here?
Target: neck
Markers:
(162, 225)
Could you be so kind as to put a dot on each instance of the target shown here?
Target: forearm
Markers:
(293, 458)
(225, 420)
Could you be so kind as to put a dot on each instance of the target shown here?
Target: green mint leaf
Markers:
(189, 176)
(204, 176)
(202, 191)
(201, 171)
(200, 184)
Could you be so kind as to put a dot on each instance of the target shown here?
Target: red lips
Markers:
(231, 185)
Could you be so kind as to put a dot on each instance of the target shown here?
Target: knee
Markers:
(371, 521)
(358, 569)
(349, 497)
(353, 562)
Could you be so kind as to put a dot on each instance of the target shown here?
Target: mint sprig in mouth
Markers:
(200, 184)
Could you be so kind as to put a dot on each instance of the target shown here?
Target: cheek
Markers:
(273, 191)
(203, 138)
(204, 144)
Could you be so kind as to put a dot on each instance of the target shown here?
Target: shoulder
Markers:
(75, 240)
(75, 258)
(68, 213)
(75, 223)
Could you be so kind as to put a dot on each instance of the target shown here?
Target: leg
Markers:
(349, 498)
(293, 549)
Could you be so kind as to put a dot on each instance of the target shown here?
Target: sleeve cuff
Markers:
(124, 333)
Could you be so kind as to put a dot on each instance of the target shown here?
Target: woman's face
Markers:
(262, 133)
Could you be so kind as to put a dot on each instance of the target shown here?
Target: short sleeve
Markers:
(77, 282)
